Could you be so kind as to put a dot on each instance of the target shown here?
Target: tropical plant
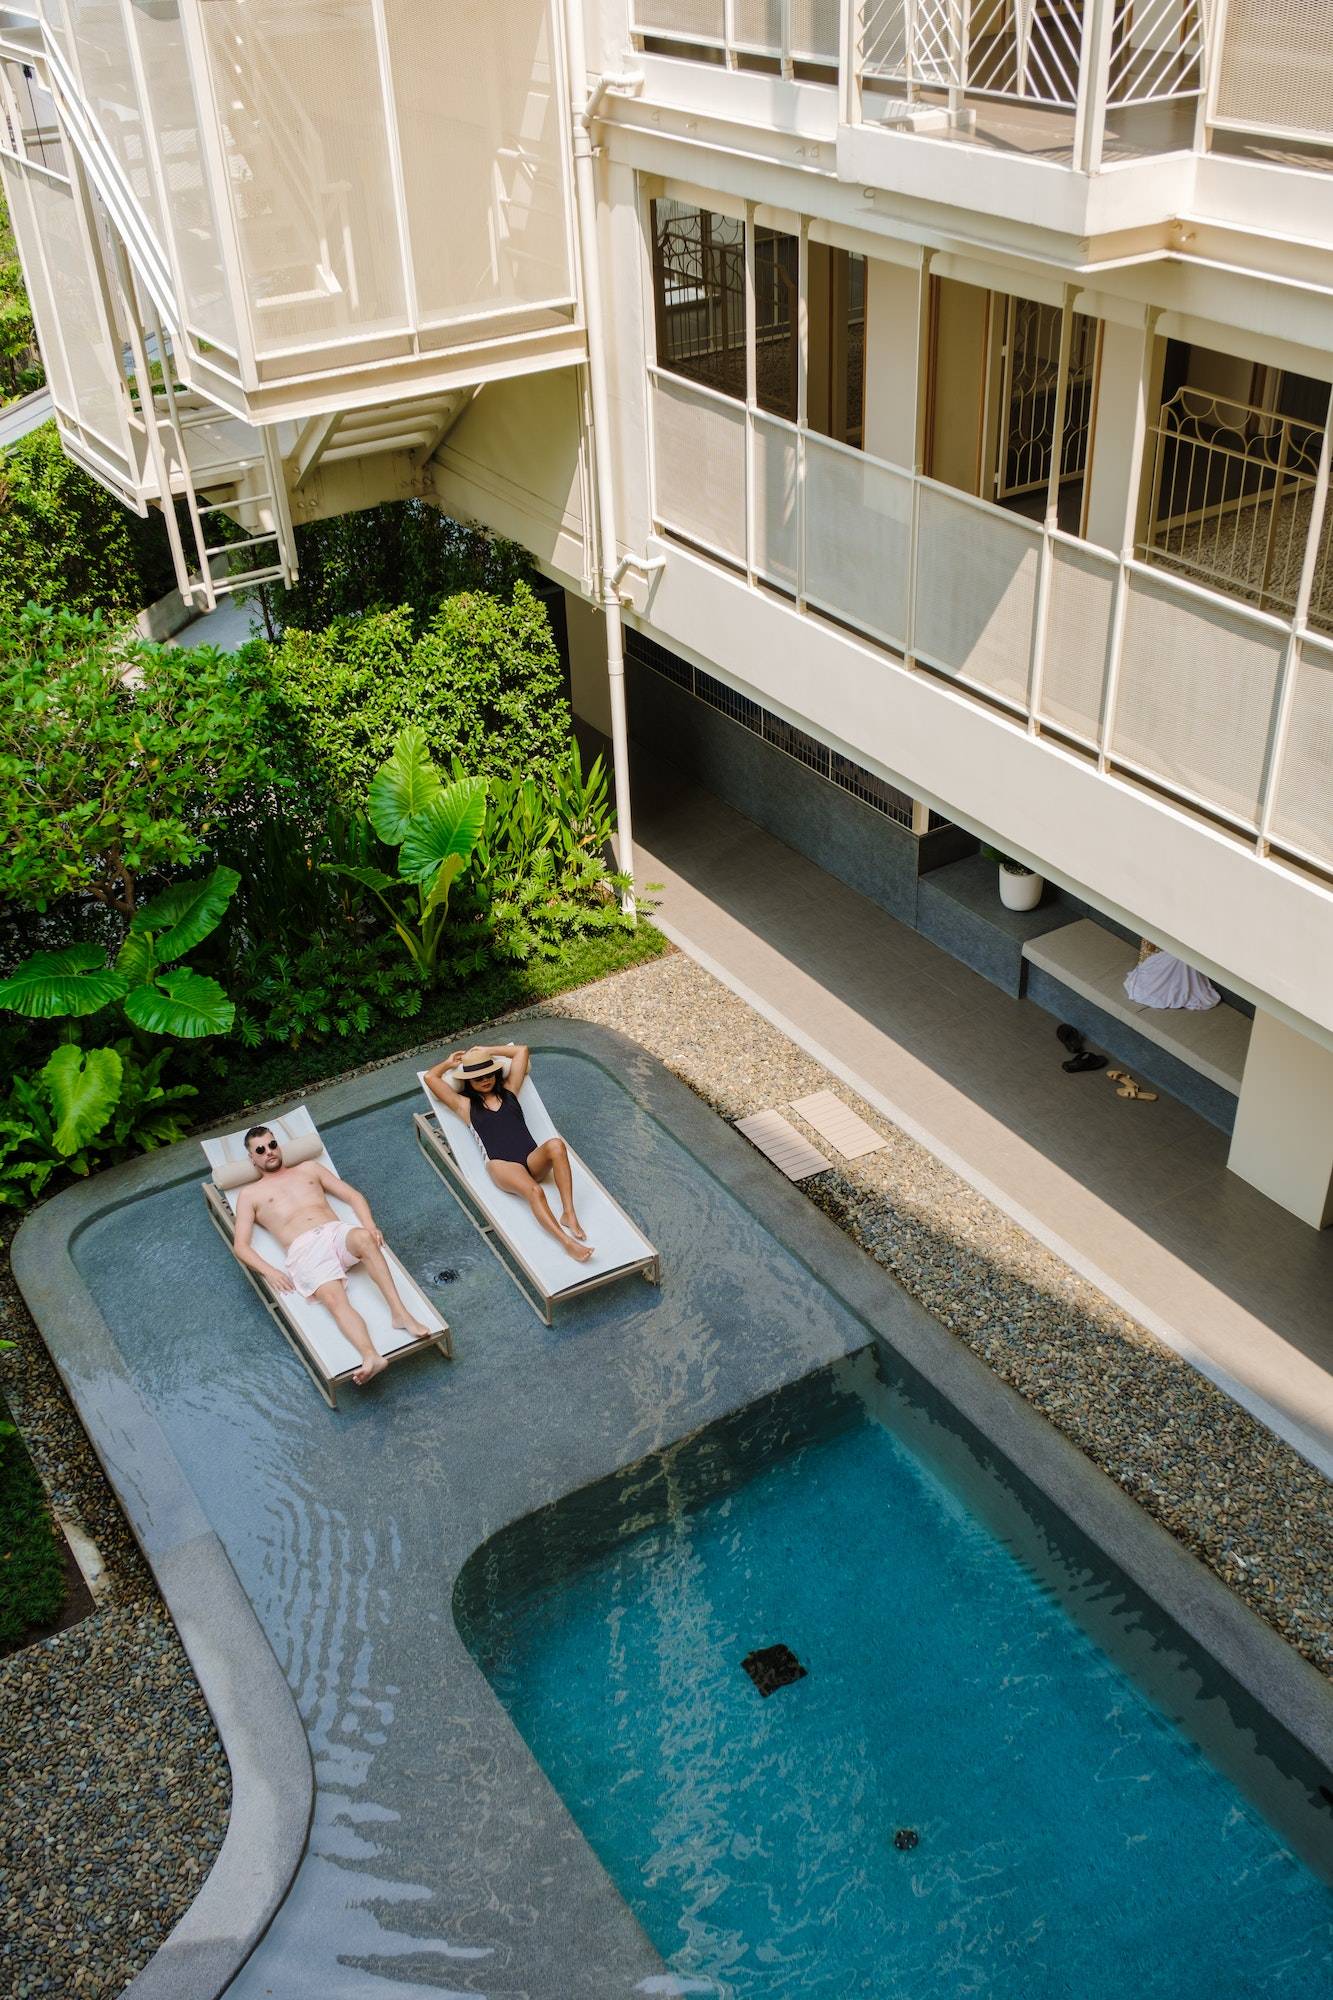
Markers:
(159, 996)
(338, 987)
(482, 680)
(81, 1109)
(541, 866)
(65, 540)
(117, 760)
(435, 828)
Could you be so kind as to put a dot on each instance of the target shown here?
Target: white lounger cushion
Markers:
(334, 1353)
(617, 1243)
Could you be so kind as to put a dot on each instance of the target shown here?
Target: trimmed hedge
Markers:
(64, 541)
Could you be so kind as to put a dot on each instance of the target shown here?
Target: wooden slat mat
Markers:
(845, 1130)
(778, 1138)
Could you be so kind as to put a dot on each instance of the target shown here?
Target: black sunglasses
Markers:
(272, 1147)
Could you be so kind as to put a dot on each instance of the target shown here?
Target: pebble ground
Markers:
(114, 1792)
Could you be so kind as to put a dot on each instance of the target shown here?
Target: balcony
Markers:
(1218, 706)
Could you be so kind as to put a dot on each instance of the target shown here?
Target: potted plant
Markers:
(1020, 886)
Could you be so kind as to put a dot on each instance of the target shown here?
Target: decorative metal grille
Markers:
(1231, 495)
(699, 287)
(1031, 368)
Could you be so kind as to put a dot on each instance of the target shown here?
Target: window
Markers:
(699, 290)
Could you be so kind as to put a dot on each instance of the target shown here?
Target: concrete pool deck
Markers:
(221, 1455)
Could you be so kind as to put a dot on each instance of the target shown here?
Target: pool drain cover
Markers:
(905, 1839)
(772, 1667)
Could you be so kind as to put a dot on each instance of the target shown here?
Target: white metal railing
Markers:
(1223, 707)
(783, 31)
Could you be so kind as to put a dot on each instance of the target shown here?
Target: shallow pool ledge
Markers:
(256, 1715)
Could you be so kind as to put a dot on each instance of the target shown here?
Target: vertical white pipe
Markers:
(585, 202)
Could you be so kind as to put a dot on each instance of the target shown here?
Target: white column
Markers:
(1283, 1138)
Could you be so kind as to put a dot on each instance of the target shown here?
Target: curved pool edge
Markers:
(253, 1708)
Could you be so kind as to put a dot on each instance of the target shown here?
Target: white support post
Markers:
(923, 381)
(1094, 79)
(802, 397)
(788, 66)
(1213, 35)
(751, 390)
(585, 198)
(1291, 653)
(1120, 603)
(851, 36)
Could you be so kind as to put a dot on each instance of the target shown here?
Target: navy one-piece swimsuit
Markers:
(504, 1132)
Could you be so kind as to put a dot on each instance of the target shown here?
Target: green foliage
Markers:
(32, 1569)
(435, 828)
(481, 679)
(85, 1108)
(404, 553)
(64, 540)
(21, 368)
(338, 989)
(116, 759)
(541, 868)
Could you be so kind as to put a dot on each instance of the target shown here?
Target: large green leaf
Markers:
(84, 1088)
(369, 878)
(76, 981)
(136, 958)
(402, 788)
(186, 913)
(181, 1003)
(448, 829)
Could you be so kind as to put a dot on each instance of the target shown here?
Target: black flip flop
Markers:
(1071, 1038)
(1085, 1059)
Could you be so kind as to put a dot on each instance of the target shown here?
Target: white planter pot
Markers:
(1020, 892)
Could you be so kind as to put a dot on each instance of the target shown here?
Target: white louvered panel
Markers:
(975, 593)
(1195, 701)
(858, 515)
(778, 1139)
(1304, 810)
(1078, 630)
(699, 451)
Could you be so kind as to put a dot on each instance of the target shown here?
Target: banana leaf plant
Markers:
(435, 827)
(158, 995)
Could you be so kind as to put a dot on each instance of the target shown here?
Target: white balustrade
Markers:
(1159, 679)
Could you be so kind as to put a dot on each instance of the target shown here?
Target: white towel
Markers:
(1163, 981)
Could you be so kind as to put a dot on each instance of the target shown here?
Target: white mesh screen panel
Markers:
(1195, 696)
(298, 94)
(699, 452)
(857, 535)
(102, 52)
(34, 277)
(757, 24)
(1303, 814)
(814, 29)
(696, 20)
(98, 400)
(1275, 72)
(191, 216)
(776, 529)
(1078, 630)
(483, 158)
(975, 590)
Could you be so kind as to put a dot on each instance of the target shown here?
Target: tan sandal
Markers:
(1130, 1088)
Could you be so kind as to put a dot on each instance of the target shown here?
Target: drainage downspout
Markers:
(583, 104)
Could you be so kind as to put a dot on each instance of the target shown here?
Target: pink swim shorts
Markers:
(319, 1255)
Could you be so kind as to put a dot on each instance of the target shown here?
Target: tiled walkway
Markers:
(1135, 1196)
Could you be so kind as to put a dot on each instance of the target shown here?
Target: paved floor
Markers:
(1136, 1196)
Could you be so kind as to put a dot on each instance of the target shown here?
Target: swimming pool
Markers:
(978, 1683)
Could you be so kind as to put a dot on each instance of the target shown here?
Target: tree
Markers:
(482, 681)
(64, 540)
(117, 759)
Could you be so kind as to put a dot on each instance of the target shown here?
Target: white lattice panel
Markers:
(699, 453)
(776, 528)
(976, 581)
(1196, 692)
(1304, 807)
(690, 20)
(1275, 70)
(1078, 629)
(858, 515)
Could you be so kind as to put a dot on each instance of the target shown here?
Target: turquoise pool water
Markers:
(975, 1675)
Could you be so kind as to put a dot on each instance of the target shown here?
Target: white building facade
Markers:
(936, 392)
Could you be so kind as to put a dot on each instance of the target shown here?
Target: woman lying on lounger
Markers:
(490, 1080)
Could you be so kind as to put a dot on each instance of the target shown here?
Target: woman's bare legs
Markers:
(517, 1180)
(553, 1158)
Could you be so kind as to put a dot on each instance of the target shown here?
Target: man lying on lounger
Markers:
(488, 1102)
(292, 1203)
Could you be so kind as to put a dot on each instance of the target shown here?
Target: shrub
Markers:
(65, 541)
(404, 553)
(117, 760)
(482, 681)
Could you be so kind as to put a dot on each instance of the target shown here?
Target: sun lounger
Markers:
(543, 1272)
(325, 1351)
